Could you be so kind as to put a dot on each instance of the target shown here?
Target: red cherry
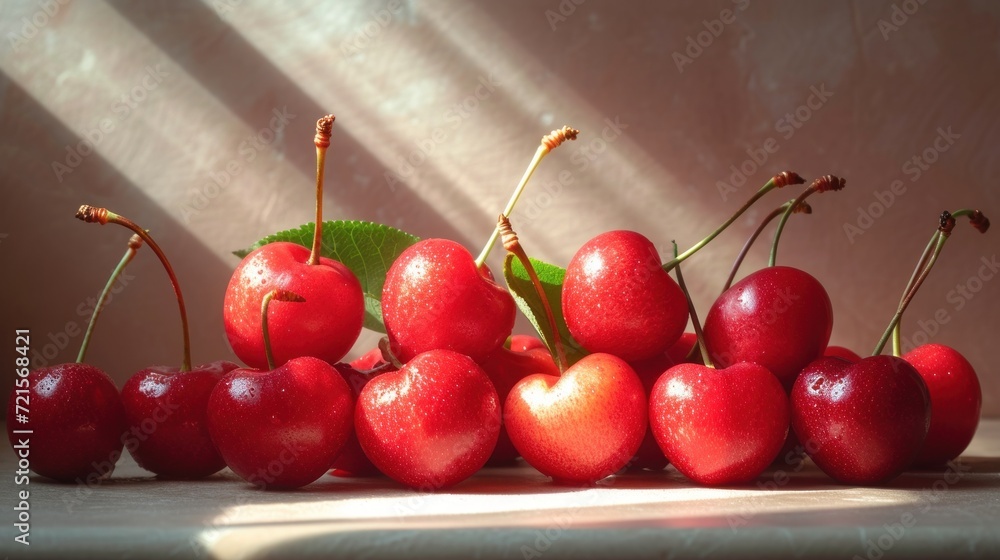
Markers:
(325, 326)
(861, 423)
(582, 426)
(435, 298)
(352, 461)
(523, 343)
(778, 317)
(681, 350)
(650, 456)
(76, 420)
(618, 300)
(956, 400)
(505, 368)
(281, 428)
(167, 410)
(433, 423)
(719, 426)
(842, 353)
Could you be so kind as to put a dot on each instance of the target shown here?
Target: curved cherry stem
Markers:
(947, 224)
(550, 142)
(279, 295)
(822, 184)
(780, 180)
(134, 243)
(896, 334)
(324, 127)
(802, 208)
(699, 335)
(104, 216)
(513, 246)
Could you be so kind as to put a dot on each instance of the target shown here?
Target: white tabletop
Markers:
(517, 513)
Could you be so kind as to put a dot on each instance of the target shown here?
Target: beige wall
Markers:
(397, 75)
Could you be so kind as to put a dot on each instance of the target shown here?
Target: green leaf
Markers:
(367, 248)
(523, 291)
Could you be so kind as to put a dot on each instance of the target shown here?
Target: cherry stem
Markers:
(780, 180)
(802, 207)
(91, 214)
(896, 335)
(513, 246)
(279, 295)
(324, 127)
(947, 224)
(134, 243)
(823, 184)
(699, 335)
(550, 142)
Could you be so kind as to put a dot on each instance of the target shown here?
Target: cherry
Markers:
(352, 461)
(956, 399)
(581, 426)
(433, 423)
(166, 407)
(862, 423)
(505, 368)
(618, 298)
(685, 350)
(327, 325)
(68, 419)
(435, 298)
(650, 456)
(778, 317)
(719, 426)
(281, 428)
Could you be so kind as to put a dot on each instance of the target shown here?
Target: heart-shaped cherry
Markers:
(166, 407)
(281, 428)
(433, 423)
(956, 399)
(66, 421)
(719, 426)
(861, 423)
(327, 325)
(581, 426)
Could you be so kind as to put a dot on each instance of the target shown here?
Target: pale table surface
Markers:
(517, 513)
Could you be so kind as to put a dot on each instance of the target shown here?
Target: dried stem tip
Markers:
(786, 178)
(828, 183)
(553, 139)
(92, 215)
(134, 242)
(947, 223)
(979, 221)
(324, 127)
(507, 235)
